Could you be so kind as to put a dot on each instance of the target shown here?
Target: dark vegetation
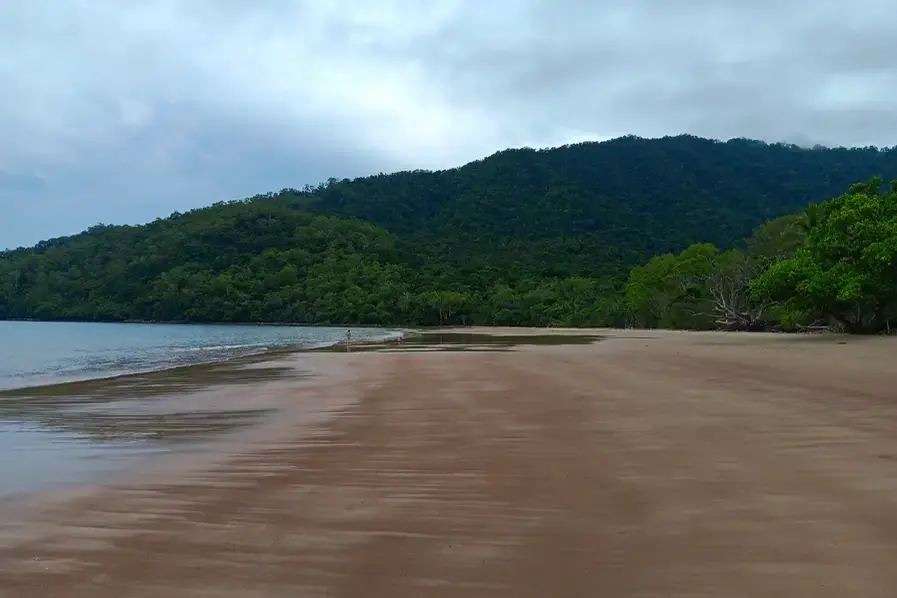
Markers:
(674, 232)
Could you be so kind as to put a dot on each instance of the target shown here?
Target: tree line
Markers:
(256, 262)
(631, 232)
(834, 265)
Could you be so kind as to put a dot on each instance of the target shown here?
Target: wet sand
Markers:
(646, 464)
(77, 432)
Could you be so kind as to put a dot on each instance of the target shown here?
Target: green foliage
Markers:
(847, 269)
(561, 237)
(702, 287)
(596, 209)
(653, 289)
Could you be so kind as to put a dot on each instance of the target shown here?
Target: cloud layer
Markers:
(123, 111)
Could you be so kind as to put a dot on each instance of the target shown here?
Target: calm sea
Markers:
(38, 353)
(51, 441)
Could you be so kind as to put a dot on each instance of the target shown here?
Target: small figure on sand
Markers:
(348, 339)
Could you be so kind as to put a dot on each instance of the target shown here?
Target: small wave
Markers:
(216, 348)
(256, 351)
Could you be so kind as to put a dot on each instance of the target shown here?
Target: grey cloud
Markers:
(718, 68)
(121, 112)
(187, 160)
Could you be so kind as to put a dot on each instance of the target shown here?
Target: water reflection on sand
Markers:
(57, 435)
(64, 434)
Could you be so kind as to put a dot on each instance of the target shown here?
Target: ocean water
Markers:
(54, 437)
(40, 353)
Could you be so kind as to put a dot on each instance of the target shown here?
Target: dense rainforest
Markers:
(672, 232)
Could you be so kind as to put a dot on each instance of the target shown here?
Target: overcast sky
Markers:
(121, 111)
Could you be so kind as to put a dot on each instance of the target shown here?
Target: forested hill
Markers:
(520, 237)
(596, 208)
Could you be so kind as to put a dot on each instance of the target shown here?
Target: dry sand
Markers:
(673, 464)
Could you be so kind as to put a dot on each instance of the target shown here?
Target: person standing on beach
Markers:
(348, 338)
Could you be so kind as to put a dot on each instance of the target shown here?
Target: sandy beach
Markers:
(645, 464)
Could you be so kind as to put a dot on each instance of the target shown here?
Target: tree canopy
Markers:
(846, 271)
(674, 232)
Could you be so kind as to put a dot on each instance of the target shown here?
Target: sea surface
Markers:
(40, 353)
(54, 436)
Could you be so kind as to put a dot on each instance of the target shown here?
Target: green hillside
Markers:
(597, 208)
(521, 237)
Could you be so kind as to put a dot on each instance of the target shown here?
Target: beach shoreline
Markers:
(180, 387)
(260, 352)
(646, 463)
(301, 372)
(298, 368)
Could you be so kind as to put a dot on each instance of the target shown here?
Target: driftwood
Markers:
(729, 289)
